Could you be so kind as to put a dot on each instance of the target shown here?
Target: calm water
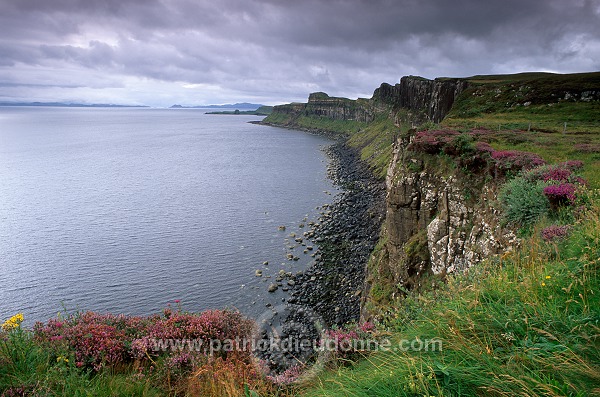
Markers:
(126, 210)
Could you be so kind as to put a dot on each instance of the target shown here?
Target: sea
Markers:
(132, 210)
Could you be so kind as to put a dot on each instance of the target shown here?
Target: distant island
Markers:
(70, 105)
(239, 106)
(261, 111)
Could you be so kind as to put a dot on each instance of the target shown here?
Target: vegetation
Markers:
(523, 324)
(175, 353)
(526, 323)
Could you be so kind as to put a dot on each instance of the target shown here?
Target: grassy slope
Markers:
(526, 324)
(373, 140)
(539, 127)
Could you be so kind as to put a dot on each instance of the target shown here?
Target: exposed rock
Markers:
(429, 99)
(430, 227)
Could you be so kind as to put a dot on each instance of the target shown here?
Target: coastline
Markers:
(328, 294)
(346, 233)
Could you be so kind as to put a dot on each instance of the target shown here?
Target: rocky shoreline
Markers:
(346, 234)
(330, 289)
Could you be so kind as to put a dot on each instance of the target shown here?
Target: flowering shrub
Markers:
(573, 165)
(563, 193)
(483, 147)
(587, 147)
(287, 377)
(350, 342)
(98, 340)
(432, 142)
(535, 192)
(555, 232)
(474, 154)
(514, 160)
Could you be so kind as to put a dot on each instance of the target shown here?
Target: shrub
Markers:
(350, 342)
(524, 201)
(534, 192)
(99, 340)
(460, 145)
(507, 161)
(432, 142)
(562, 194)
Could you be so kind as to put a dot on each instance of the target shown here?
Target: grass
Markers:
(525, 324)
(375, 144)
(373, 140)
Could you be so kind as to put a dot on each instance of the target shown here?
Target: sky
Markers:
(195, 52)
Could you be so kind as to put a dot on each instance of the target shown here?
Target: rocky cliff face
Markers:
(321, 104)
(438, 221)
(453, 216)
(428, 100)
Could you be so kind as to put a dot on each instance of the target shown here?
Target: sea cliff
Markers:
(441, 213)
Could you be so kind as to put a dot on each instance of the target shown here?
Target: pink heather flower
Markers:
(561, 193)
(555, 232)
(573, 165)
(484, 147)
(557, 174)
(515, 159)
(177, 301)
(367, 327)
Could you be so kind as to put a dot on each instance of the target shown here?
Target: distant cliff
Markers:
(425, 100)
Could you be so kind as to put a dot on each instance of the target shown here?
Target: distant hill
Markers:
(239, 106)
(70, 105)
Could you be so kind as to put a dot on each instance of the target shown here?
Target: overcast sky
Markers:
(191, 52)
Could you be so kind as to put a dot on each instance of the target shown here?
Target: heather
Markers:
(104, 352)
(547, 191)
(474, 154)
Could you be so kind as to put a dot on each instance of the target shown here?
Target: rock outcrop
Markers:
(428, 100)
(438, 221)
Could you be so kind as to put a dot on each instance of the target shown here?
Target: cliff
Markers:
(440, 219)
(423, 99)
(426, 100)
(442, 213)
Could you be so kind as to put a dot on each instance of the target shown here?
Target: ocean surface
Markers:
(127, 210)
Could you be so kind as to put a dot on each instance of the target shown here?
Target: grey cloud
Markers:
(283, 49)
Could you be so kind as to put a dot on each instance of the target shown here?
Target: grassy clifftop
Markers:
(526, 101)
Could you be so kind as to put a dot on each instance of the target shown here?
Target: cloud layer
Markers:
(272, 51)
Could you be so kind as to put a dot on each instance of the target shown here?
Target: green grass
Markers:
(375, 144)
(525, 324)
(373, 140)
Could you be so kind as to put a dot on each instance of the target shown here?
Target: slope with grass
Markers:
(526, 323)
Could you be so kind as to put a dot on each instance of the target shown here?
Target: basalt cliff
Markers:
(442, 214)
